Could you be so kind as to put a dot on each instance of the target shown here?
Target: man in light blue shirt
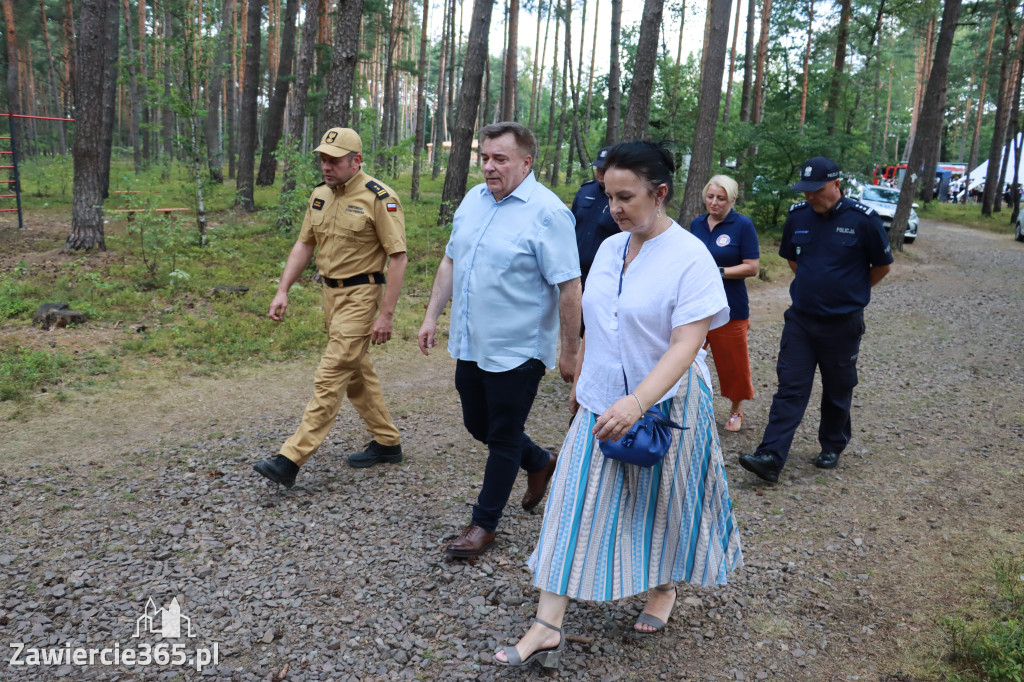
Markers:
(512, 272)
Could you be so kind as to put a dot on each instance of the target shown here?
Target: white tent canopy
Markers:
(977, 176)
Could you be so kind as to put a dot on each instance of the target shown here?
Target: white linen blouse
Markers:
(672, 281)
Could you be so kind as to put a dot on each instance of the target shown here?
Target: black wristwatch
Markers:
(721, 271)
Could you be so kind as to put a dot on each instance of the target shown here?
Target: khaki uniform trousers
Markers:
(345, 369)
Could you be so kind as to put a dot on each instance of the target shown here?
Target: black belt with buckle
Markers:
(371, 278)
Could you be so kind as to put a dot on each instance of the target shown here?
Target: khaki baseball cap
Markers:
(339, 142)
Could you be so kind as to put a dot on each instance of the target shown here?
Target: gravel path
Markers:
(343, 578)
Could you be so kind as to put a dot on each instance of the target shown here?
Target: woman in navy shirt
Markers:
(732, 240)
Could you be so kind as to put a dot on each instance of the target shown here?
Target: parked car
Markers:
(883, 200)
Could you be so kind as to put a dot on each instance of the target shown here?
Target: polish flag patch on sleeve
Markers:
(391, 206)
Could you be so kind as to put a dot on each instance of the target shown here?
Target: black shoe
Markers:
(763, 465)
(827, 460)
(280, 469)
(375, 453)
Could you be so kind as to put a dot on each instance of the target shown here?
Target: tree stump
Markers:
(50, 315)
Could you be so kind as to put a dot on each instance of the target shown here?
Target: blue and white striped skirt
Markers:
(612, 530)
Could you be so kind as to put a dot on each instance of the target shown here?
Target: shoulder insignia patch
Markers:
(377, 189)
(317, 204)
(795, 206)
(392, 206)
(863, 208)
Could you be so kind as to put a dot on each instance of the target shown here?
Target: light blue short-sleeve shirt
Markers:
(509, 257)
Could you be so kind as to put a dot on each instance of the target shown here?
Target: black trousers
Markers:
(830, 344)
(495, 406)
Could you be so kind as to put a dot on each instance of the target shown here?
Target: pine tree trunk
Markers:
(508, 109)
(638, 108)
(807, 64)
(52, 76)
(421, 108)
(88, 149)
(469, 102)
(614, 108)
(992, 188)
(439, 110)
(113, 48)
(838, 67)
(247, 131)
(275, 112)
(13, 91)
(214, 146)
(930, 121)
(972, 158)
(707, 110)
(344, 58)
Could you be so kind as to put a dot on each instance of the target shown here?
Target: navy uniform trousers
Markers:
(830, 344)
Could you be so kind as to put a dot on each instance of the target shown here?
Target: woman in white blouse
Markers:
(612, 530)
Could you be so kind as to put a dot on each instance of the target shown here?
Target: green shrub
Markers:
(24, 371)
(991, 646)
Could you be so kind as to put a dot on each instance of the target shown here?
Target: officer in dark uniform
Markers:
(838, 250)
(356, 226)
(594, 222)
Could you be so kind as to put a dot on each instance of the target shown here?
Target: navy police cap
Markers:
(815, 173)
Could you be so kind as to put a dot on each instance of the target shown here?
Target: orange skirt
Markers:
(732, 359)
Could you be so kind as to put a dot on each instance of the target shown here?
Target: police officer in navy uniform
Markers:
(594, 222)
(837, 249)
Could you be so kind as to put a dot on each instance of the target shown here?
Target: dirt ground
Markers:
(848, 573)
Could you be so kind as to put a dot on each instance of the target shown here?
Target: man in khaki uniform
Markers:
(355, 224)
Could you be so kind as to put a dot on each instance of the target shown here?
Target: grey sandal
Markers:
(548, 658)
(653, 621)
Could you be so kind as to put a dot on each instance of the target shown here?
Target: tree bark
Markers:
(611, 133)
(638, 109)
(469, 102)
(112, 44)
(247, 131)
(508, 105)
(807, 64)
(757, 104)
(275, 112)
(748, 64)
(51, 73)
(344, 58)
(88, 149)
(214, 146)
(839, 66)
(972, 158)
(133, 90)
(709, 101)
(999, 128)
(930, 120)
(421, 106)
(13, 91)
(167, 116)
(439, 110)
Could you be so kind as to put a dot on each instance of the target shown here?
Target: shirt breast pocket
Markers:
(844, 239)
(501, 251)
(347, 223)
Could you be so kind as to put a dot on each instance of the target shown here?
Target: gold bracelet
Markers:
(639, 404)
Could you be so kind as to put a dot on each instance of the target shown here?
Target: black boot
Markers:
(374, 454)
(280, 469)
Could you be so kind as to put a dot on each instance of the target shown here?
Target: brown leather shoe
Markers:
(537, 484)
(474, 541)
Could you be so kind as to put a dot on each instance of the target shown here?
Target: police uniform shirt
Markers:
(834, 254)
(594, 222)
(731, 242)
(355, 227)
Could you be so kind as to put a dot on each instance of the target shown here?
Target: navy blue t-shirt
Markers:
(594, 223)
(731, 242)
(834, 255)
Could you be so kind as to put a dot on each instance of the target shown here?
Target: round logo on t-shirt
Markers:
(723, 240)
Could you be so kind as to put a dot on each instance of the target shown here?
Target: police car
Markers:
(883, 200)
